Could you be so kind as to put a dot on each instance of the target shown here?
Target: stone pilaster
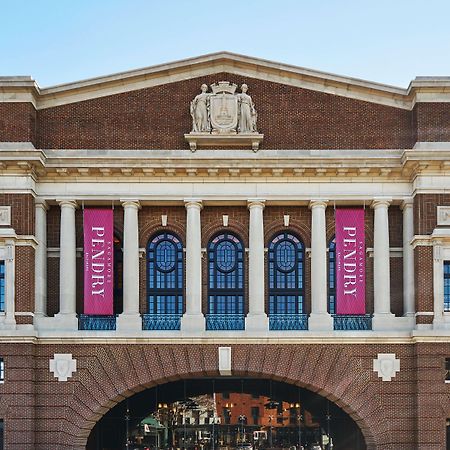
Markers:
(40, 307)
(408, 258)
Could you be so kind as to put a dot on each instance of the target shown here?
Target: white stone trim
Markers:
(63, 366)
(225, 361)
(386, 365)
(8, 240)
(420, 89)
(440, 239)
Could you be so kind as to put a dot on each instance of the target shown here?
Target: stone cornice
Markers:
(422, 89)
(425, 159)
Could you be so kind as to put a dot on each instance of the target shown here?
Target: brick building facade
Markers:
(329, 142)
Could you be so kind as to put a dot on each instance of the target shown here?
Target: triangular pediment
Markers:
(225, 62)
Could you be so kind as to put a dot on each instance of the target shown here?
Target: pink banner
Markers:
(350, 261)
(98, 262)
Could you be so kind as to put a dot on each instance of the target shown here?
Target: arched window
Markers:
(332, 276)
(286, 274)
(226, 275)
(165, 274)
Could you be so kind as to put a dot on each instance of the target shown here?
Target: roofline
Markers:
(224, 61)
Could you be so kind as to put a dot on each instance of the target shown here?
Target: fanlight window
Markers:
(332, 276)
(165, 274)
(226, 275)
(286, 275)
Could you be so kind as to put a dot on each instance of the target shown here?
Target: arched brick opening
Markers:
(346, 385)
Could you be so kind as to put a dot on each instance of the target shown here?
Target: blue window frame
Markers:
(332, 276)
(2, 286)
(446, 285)
(165, 274)
(2, 370)
(226, 275)
(286, 274)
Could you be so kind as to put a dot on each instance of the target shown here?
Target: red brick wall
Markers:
(24, 282)
(423, 273)
(432, 121)
(289, 117)
(17, 122)
(391, 414)
(22, 212)
(425, 211)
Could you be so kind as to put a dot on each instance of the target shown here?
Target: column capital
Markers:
(407, 202)
(41, 203)
(67, 202)
(130, 203)
(318, 203)
(379, 202)
(193, 203)
(256, 203)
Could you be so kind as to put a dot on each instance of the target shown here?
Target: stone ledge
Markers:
(197, 140)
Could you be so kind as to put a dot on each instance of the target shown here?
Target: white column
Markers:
(408, 258)
(67, 266)
(319, 319)
(256, 319)
(40, 259)
(381, 265)
(193, 319)
(8, 253)
(130, 319)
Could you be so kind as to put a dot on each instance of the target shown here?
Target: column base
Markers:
(129, 322)
(257, 322)
(8, 324)
(388, 322)
(192, 323)
(320, 322)
(61, 321)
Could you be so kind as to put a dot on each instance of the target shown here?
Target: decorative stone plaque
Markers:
(443, 215)
(63, 366)
(5, 215)
(225, 360)
(386, 365)
(223, 118)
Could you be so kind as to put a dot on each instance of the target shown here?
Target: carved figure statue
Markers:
(247, 112)
(200, 111)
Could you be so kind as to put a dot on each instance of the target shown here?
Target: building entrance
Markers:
(226, 414)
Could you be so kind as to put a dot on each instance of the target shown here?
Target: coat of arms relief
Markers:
(223, 117)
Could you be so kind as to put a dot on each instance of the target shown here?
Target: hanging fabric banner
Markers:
(350, 261)
(98, 261)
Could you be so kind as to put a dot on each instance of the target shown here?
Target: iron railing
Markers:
(217, 322)
(286, 322)
(161, 321)
(96, 323)
(352, 322)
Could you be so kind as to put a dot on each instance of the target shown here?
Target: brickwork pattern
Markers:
(423, 271)
(24, 284)
(425, 211)
(22, 212)
(17, 122)
(158, 117)
(431, 120)
(389, 413)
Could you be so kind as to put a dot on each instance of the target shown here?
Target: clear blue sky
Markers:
(389, 41)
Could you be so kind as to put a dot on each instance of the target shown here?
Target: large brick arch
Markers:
(116, 372)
